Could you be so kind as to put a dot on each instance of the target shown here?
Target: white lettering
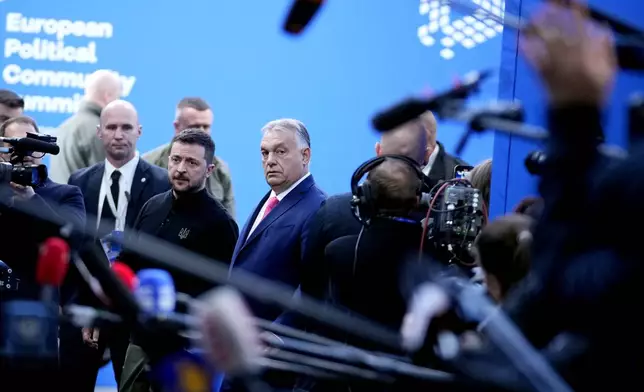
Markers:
(13, 74)
(38, 103)
(42, 49)
(59, 28)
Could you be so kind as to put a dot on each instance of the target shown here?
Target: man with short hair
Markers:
(187, 216)
(272, 241)
(11, 105)
(114, 191)
(438, 164)
(79, 147)
(335, 218)
(195, 113)
(22, 235)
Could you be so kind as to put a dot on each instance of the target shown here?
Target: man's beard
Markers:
(193, 188)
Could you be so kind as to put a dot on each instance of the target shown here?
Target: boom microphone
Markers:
(30, 144)
(300, 15)
(411, 108)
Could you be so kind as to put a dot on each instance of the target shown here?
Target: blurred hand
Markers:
(21, 191)
(90, 337)
(429, 302)
(574, 57)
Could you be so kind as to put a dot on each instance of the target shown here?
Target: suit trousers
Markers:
(79, 363)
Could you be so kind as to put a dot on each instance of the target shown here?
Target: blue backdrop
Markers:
(511, 182)
(357, 57)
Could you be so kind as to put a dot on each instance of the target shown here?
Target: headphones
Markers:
(363, 201)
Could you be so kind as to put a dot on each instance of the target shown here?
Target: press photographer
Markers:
(23, 179)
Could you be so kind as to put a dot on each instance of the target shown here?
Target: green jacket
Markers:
(219, 183)
(79, 145)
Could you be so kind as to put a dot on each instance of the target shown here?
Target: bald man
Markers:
(79, 147)
(438, 164)
(114, 190)
(409, 139)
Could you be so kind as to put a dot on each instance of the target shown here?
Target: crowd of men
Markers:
(181, 192)
(548, 264)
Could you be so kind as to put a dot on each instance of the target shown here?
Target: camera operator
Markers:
(335, 218)
(365, 267)
(11, 105)
(582, 298)
(21, 235)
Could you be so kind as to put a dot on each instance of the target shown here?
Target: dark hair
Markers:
(198, 137)
(504, 249)
(10, 99)
(18, 120)
(394, 186)
(194, 103)
(481, 179)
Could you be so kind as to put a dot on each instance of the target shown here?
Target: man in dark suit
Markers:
(438, 164)
(272, 241)
(114, 190)
(335, 218)
(49, 200)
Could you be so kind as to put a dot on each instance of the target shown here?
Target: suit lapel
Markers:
(286, 204)
(249, 224)
(139, 182)
(93, 189)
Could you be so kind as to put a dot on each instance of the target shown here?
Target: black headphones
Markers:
(363, 201)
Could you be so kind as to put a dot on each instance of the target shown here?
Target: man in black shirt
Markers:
(186, 216)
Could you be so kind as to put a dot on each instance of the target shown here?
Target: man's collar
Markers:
(432, 159)
(89, 106)
(283, 194)
(127, 169)
(189, 199)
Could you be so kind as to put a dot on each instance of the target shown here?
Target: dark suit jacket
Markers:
(275, 249)
(149, 180)
(443, 167)
(57, 202)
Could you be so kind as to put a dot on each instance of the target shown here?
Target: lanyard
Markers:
(119, 214)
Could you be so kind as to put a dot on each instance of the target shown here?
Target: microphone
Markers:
(155, 292)
(88, 317)
(7, 281)
(125, 275)
(411, 108)
(300, 15)
(30, 144)
(229, 336)
(52, 266)
(29, 327)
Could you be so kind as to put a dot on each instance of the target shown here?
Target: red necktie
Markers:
(272, 203)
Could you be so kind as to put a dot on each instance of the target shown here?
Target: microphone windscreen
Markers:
(53, 262)
(125, 274)
(230, 338)
(301, 14)
(399, 114)
(155, 292)
(28, 144)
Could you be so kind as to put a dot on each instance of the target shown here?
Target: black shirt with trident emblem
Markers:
(194, 221)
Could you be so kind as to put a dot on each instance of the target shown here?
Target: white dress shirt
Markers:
(125, 185)
(431, 160)
(280, 197)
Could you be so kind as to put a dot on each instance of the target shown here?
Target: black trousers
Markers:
(79, 363)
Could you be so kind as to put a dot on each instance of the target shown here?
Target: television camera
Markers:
(19, 170)
(455, 216)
